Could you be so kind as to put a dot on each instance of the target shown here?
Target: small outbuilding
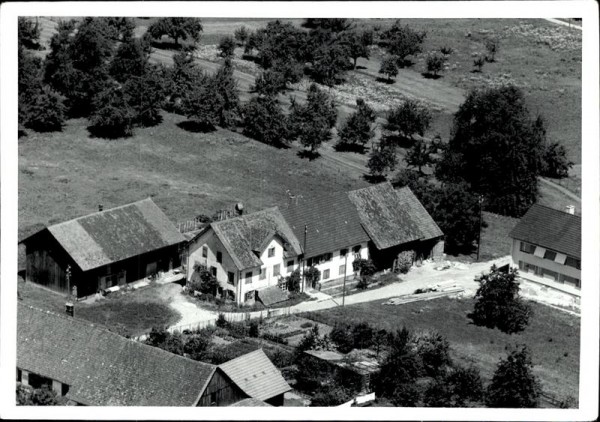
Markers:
(104, 249)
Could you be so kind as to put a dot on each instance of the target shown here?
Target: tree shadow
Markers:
(373, 178)
(306, 153)
(385, 80)
(250, 58)
(344, 147)
(166, 45)
(21, 133)
(196, 127)
(104, 132)
(358, 67)
(428, 75)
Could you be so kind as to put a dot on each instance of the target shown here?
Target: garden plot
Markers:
(292, 329)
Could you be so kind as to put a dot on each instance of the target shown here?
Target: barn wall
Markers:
(221, 391)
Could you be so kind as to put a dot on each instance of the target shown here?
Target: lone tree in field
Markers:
(226, 47)
(408, 119)
(435, 64)
(496, 147)
(418, 155)
(497, 302)
(514, 385)
(312, 122)
(389, 67)
(402, 42)
(176, 28)
(357, 44)
(358, 128)
(492, 46)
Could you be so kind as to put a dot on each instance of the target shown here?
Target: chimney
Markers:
(69, 308)
(571, 209)
(100, 207)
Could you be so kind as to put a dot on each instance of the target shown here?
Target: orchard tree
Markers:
(177, 28)
(382, 160)
(330, 63)
(265, 121)
(357, 130)
(435, 64)
(496, 147)
(514, 385)
(184, 79)
(357, 44)
(497, 302)
(277, 41)
(389, 67)
(241, 35)
(46, 111)
(402, 42)
(408, 119)
(418, 155)
(312, 122)
(146, 94)
(112, 117)
(130, 60)
(270, 83)
(226, 46)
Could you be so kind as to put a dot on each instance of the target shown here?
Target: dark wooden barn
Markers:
(108, 248)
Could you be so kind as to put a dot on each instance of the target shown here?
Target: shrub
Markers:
(342, 338)
(221, 321)
(555, 162)
(280, 358)
(253, 331)
(46, 112)
(478, 64)
(435, 63)
(29, 396)
(277, 338)
(293, 281)
(446, 51)
(306, 324)
(404, 261)
(226, 46)
(362, 335)
(331, 395)
(203, 281)
(196, 346)
(312, 276)
(434, 351)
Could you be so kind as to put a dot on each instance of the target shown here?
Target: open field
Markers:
(129, 314)
(552, 336)
(65, 175)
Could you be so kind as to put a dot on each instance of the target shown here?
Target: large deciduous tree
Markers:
(496, 147)
(514, 385)
(389, 67)
(497, 302)
(402, 42)
(177, 29)
(382, 159)
(265, 121)
(357, 130)
(408, 119)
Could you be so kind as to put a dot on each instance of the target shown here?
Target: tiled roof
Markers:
(113, 235)
(331, 220)
(256, 375)
(271, 295)
(551, 229)
(243, 235)
(103, 368)
(392, 217)
(251, 402)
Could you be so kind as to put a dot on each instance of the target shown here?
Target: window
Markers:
(271, 252)
(276, 270)
(548, 274)
(219, 257)
(290, 266)
(570, 280)
(213, 271)
(263, 274)
(343, 252)
(325, 274)
(527, 247)
(572, 262)
(204, 251)
(249, 277)
(230, 277)
(550, 255)
(342, 269)
(356, 249)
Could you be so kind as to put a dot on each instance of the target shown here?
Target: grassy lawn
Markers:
(552, 336)
(130, 314)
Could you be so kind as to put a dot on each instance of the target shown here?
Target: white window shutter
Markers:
(539, 251)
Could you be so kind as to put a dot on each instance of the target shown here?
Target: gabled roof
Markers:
(331, 222)
(256, 375)
(392, 217)
(551, 229)
(118, 233)
(103, 368)
(241, 236)
(271, 295)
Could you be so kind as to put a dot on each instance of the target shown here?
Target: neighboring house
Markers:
(89, 365)
(104, 249)
(256, 375)
(546, 248)
(245, 253)
(256, 251)
(250, 403)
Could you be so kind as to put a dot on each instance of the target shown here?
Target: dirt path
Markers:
(563, 190)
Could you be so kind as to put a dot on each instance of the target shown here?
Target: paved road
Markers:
(563, 190)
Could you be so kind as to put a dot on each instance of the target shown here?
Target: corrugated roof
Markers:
(256, 375)
(251, 402)
(271, 295)
(241, 236)
(550, 228)
(103, 368)
(331, 220)
(113, 235)
(392, 217)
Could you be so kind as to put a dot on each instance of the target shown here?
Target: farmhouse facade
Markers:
(250, 253)
(89, 365)
(546, 248)
(104, 249)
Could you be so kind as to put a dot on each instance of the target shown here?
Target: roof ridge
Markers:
(241, 217)
(245, 355)
(101, 212)
(554, 209)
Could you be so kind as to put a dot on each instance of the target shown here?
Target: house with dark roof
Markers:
(103, 249)
(89, 365)
(256, 375)
(252, 253)
(546, 248)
